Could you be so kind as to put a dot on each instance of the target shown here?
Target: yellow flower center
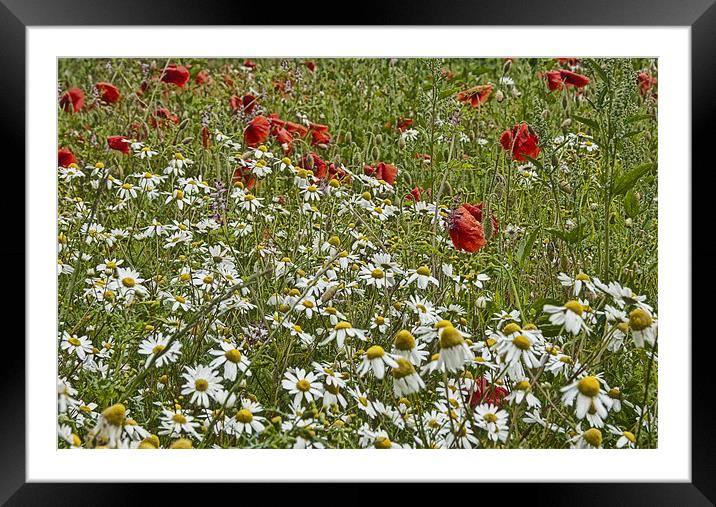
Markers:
(404, 368)
(312, 188)
(589, 386)
(233, 355)
(377, 273)
(583, 277)
(180, 299)
(208, 279)
(593, 437)
(522, 385)
(343, 325)
(244, 416)
(201, 385)
(74, 341)
(128, 282)
(179, 418)
(451, 337)
(308, 304)
(383, 443)
(615, 393)
(511, 328)
(303, 385)
(404, 340)
(423, 271)
(574, 306)
(127, 186)
(521, 342)
(114, 415)
(630, 436)
(375, 352)
(157, 349)
(640, 319)
(490, 417)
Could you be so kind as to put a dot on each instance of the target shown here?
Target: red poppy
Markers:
(382, 171)
(484, 393)
(521, 142)
(404, 124)
(416, 194)
(247, 103)
(119, 143)
(284, 138)
(73, 100)
(175, 74)
(162, 116)
(316, 164)
(202, 77)
(557, 79)
(248, 63)
(646, 82)
(257, 131)
(476, 211)
(477, 95)
(244, 175)
(108, 93)
(319, 134)
(465, 230)
(424, 156)
(569, 62)
(65, 157)
(142, 88)
(296, 128)
(311, 65)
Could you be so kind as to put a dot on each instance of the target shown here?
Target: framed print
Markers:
(300, 245)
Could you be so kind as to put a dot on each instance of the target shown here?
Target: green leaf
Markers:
(450, 91)
(573, 236)
(523, 251)
(626, 181)
(588, 122)
(638, 117)
(597, 69)
(631, 204)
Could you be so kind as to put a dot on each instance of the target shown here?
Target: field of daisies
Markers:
(357, 253)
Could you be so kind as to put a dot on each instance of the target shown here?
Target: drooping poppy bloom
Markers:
(65, 157)
(315, 163)
(119, 143)
(284, 138)
(382, 171)
(484, 393)
(520, 142)
(249, 64)
(646, 82)
(73, 100)
(175, 74)
(476, 211)
(416, 194)
(246, 103)
(465, 230)
(557, 79)
(144, 85)
(404, 124)
(477, 95)
(202, 77)
(245, 176)
(296, 129)
(257, 131)
(161, 117)
(319, 134)
(108, 93)
(310, 65)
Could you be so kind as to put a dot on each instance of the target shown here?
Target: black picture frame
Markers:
(699, 15)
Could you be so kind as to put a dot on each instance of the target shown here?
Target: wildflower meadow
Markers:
(357, 253)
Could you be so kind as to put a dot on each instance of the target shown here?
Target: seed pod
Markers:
(566, 123)
(499, 96)
(378, 139)
(376, 153)
(348, 138)
(565, 101)
(507, 66)
(545, 113)
(401, 143)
